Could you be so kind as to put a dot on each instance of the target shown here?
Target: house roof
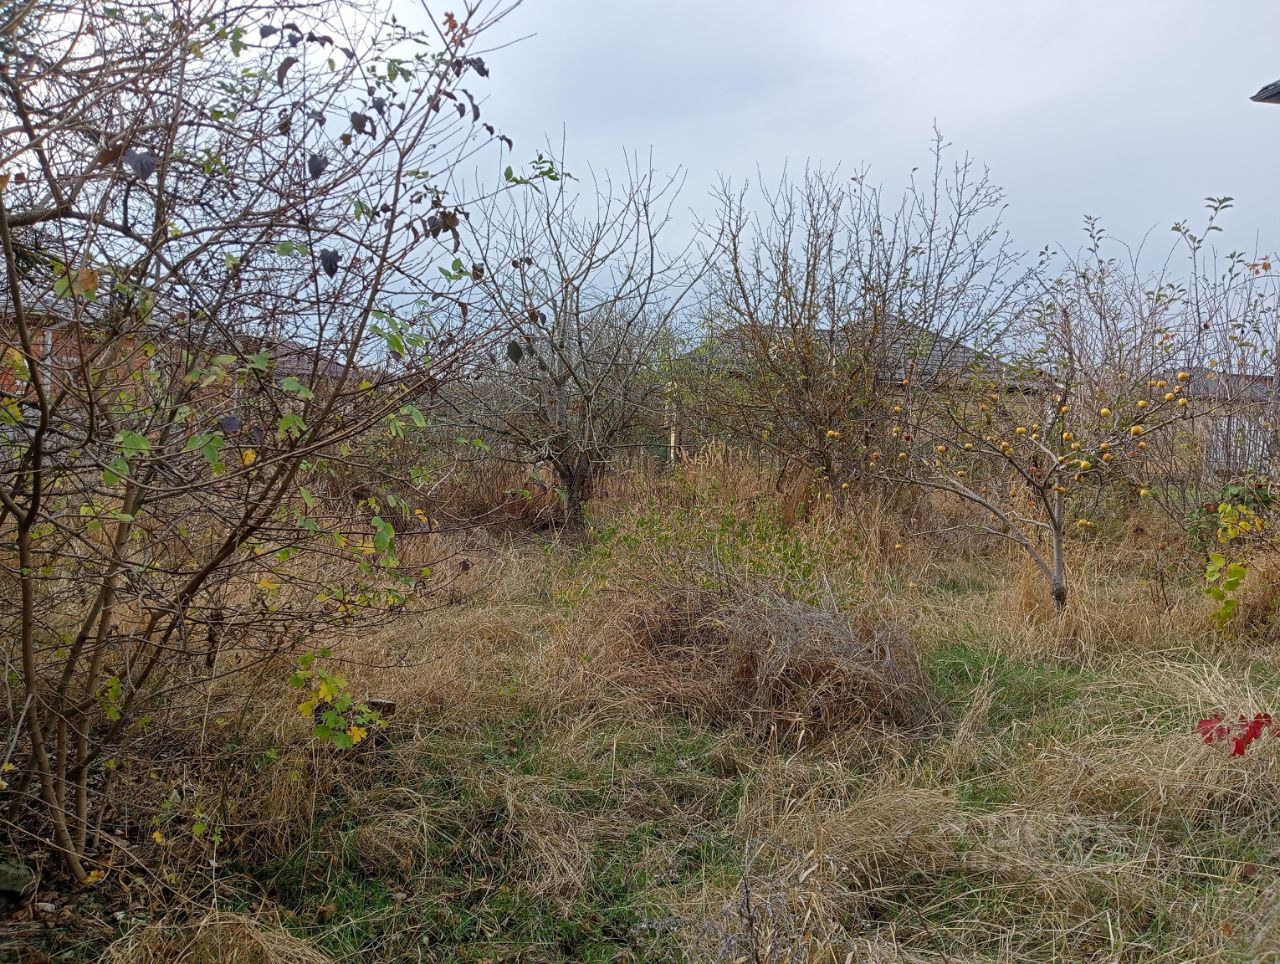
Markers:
(910, 351)
(1218, 385)
(291, 357)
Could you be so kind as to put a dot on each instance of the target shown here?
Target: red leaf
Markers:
(1210, 728)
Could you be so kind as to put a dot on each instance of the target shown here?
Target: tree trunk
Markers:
(572, 485)
(1058, 582)
(1059, 591)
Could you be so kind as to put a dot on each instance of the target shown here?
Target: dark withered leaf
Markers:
(284, 69)
(475, 108)
(363, 124)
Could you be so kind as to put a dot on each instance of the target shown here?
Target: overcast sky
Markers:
(1133, 110)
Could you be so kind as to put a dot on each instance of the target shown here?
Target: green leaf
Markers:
(296, 387)
(209, 444)
(291, 425)
(116, 471)
(133, 443)
(288, 248)
(384, 534)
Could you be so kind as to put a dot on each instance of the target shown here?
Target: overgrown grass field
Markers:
(725, 727)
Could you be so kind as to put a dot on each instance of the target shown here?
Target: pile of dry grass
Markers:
(218, 937)
(899, 867)
(495, 494)
(785, 669)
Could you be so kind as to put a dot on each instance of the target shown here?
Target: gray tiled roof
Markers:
(911, 351)
(1218, 385)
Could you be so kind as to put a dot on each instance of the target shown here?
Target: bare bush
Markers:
(830, 305)
(214, 221)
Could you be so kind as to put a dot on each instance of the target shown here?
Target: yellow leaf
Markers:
(327, 690)
(267, 584)
(87, 280)
(94, 876)
(7, 768)
(248, 456)
(157, 836)
(357, 733)
(307, 707)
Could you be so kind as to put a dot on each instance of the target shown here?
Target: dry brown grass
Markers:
(787, 670)
(1258, 616)
(217, 937)
(495, 494)
(1132, 764)
(1120, 603)
(1096, 841)
(728, 732)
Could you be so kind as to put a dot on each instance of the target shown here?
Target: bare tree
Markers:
(214, 221)
(1231, 304)
(828, 305)
(1090, 393)
(584, 295)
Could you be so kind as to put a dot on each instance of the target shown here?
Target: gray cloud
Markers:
(1134, 111)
